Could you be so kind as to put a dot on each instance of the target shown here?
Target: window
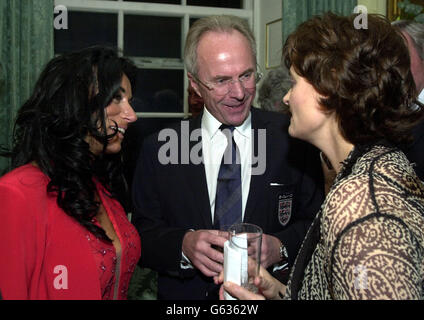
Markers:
(88, 29)
(159, 90)
(236, 4)
(152, 34)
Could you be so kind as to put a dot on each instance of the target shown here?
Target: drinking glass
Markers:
(242, 255)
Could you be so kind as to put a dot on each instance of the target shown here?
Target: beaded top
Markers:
(115, 268)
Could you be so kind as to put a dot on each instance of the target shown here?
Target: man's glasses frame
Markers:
(224, 86)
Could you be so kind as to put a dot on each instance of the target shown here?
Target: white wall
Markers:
(375, 6)
(269, 10)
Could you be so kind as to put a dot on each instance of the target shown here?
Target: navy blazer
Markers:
(171, 199)
(415, 151)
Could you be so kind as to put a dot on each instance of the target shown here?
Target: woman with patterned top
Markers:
(351, 96)
(64, 233)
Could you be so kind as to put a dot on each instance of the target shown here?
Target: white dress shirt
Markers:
(421, 97)
(214, 143)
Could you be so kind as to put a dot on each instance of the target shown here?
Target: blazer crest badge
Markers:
(285, 205)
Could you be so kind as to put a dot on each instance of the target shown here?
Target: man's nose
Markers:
(237, 90)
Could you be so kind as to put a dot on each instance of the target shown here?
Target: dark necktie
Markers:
(228, 190)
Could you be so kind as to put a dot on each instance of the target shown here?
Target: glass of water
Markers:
(242, 255)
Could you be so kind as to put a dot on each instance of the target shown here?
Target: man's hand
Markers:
(199, 245)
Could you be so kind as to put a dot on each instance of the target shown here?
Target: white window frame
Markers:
(183, 10)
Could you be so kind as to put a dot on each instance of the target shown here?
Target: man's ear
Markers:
(194, 84)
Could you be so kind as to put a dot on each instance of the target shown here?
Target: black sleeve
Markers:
(160, 244)
(414, 152)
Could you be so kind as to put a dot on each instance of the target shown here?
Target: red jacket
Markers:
(44, 252)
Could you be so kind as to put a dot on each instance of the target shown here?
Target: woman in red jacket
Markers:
(64, 233)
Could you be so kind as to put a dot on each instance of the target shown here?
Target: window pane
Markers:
(193, 20)
(157, 1)
(237, 4)
(87, 29)
(151, 36)
(159, 90)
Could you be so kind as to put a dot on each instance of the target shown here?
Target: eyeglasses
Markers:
(224, 86)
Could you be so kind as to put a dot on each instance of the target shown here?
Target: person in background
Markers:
(182, 203)
(64, 233)
(274, 87)
(414, 36)
(367, 241)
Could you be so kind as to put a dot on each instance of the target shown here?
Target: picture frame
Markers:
(273, 43)
(393, 12)
(392, 9)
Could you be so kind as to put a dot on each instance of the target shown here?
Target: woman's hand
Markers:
(268, 287)
(239, 292)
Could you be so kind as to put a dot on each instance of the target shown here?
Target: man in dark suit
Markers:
(414, 36)
(177, 188)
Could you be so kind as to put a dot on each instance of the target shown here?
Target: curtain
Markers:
(297, 11)
(26, 44)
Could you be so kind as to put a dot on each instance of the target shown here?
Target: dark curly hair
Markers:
(363, 74)
(68, 104)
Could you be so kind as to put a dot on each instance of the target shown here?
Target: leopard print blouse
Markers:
(367, 242)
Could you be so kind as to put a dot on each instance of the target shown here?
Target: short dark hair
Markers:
(363, 75)
(68, 104)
